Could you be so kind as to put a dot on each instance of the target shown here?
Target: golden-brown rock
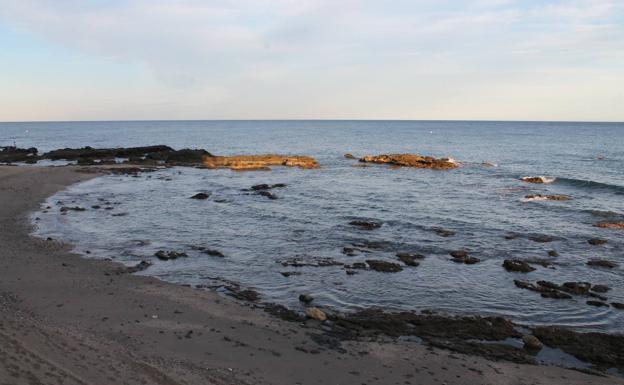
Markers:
(610, 225)
(259, 162)
(315, 313)
(411, 160)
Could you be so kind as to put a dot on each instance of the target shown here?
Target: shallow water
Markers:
(310, 219)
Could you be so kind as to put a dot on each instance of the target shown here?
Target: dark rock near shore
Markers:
(213, 253)
(366, 225)
(410, 258)
(545, 288)
(600, 288)
(577, 288)
(540, 197)
(267, 194)
(169, 255)
(289, 273)
(104, 153)
(618, 305)
(601, 349)
(443, 232)
(306, 298)
(201, 196)
(517, 266)
(265, 186)
(541, 238)
(383, 266)
(301, 261)
(67, 208)
(597, 303)
(461, 256)
(243, 295)
(14, 154)
(134, 269)
(602, 263)
(596, 241)
(349, 156)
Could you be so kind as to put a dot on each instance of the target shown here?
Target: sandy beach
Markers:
(69, 320)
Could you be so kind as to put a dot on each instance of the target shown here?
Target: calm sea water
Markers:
(310, 219)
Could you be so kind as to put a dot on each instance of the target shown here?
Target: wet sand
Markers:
(69, 320)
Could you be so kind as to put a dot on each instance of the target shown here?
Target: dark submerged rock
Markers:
(597, 303)
(596, 241)
(366, 225)
(201, 196)
(213, 253)
(306, 298)
(383, 266)
(602, 263)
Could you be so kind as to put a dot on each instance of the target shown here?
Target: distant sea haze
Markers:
(480, 207)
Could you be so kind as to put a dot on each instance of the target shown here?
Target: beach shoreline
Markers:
(71, 320)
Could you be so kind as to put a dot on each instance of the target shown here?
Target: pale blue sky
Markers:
(282, 59)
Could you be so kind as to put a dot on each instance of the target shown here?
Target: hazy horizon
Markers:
(481, 60)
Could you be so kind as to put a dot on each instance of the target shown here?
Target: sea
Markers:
(481, 203)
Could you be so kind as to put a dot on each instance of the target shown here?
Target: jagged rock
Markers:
(201, 196)
(366, 225)
(410, 258)
(461, 256)
(411, 160)
(168, 255)
(104, 153)
(265, 186)
(14, 154)
(531, 342)
(540, 197)
(258, 162)
(383, 266)
(596, 241)
(602, 263)
(535, 179)
(517, 265)
(315, 313)
(576, 287)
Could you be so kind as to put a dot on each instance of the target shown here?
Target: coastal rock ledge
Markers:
(411, 160)
(259, 162)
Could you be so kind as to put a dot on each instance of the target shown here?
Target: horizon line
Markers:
(310, 120)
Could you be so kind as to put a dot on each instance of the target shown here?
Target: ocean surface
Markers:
(481, 203)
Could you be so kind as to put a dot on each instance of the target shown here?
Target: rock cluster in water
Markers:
(410, 160)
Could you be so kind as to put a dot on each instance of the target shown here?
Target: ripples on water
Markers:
(310, 219)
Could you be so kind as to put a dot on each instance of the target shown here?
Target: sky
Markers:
(312, 59)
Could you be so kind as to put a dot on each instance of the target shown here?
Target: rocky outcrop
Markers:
(517, 266)
(383, 266)
(259, 162)
(104, 153)
(349, 156)
(411, 160)
(410, 258)
(169, 255)
(461, 256)
(14, 154)
(201, 196)
(540, 197)
(537, 179)
(531, 342)
(610, 225)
